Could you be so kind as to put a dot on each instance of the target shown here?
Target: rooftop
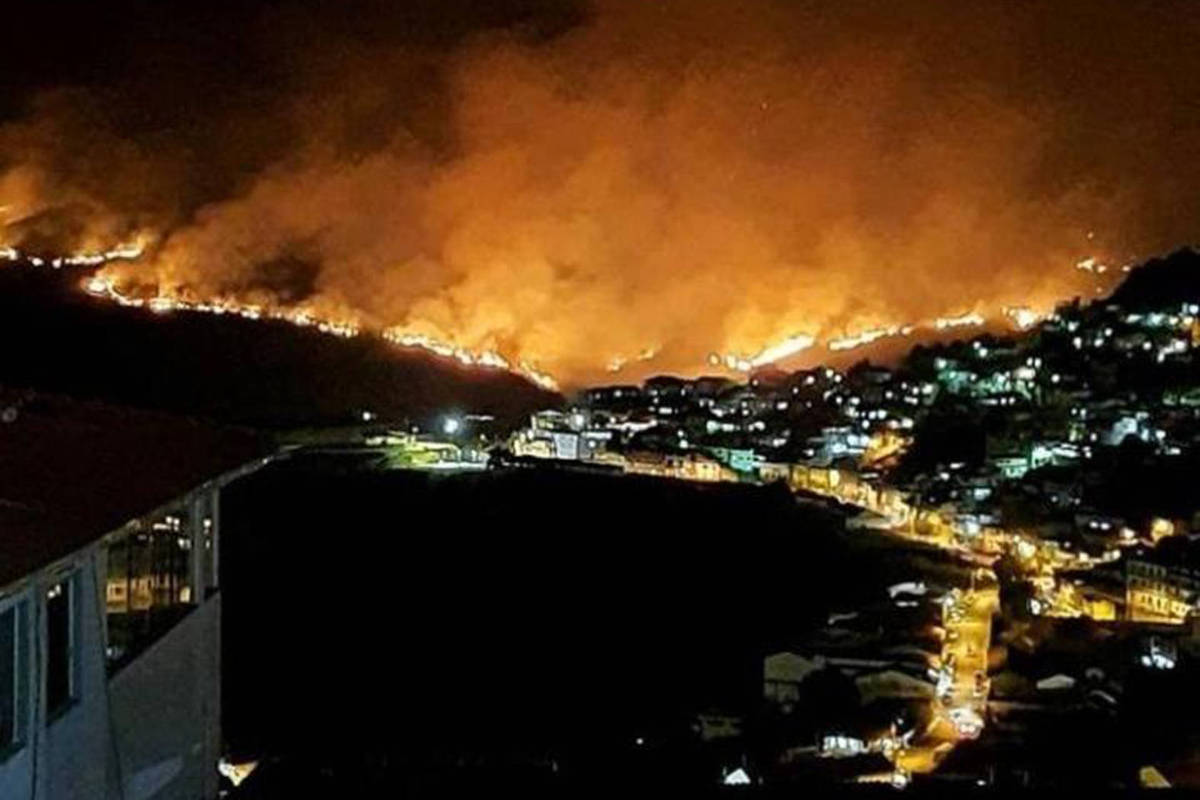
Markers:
(1173, 551)
(73, 471)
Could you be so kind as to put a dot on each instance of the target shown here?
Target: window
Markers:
(13, 671)
(61, 646)
(149, 587)
(204, 515)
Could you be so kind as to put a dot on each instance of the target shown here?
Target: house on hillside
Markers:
(110, 610)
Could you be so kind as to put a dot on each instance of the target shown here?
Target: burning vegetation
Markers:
(570, 191)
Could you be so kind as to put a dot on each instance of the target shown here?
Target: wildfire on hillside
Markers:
(633, 189)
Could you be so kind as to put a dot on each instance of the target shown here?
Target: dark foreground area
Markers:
(405, 629)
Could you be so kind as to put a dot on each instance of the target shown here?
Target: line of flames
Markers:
(1020, 317)
(125, 252)
(346, 328)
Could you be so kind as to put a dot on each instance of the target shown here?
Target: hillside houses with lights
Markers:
(975, 434)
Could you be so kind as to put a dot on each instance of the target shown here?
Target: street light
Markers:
(451, 425)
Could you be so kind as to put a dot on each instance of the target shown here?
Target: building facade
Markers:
(1157, 590)
(110, 632)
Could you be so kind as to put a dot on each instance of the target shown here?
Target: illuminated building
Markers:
(415, 451)
(568, 436)
(622, 396)
(953, 376)
(711, 386)
(772, 472)
(739, 459)
(838, 442)
(1163, 584)
(686, 466)
(667, 387)
(117, 700)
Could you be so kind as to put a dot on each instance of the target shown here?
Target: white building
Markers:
(838, 442)
(568, 436)
(110, 609)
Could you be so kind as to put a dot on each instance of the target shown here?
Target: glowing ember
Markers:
(98, 286)
(617, 364)
(788, 347)
(733, 362)
(1022, 317)
(486, 358)
(969, 320)
(866, 337)
(768, 355)
(1091, 264)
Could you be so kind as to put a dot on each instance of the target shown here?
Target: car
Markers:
(966, 722)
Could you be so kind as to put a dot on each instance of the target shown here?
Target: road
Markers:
(960, 705)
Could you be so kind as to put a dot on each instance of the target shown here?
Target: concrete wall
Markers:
(72, 754)
(166, 709)
(16, 767)
(16, 775)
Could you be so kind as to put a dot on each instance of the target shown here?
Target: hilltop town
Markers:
(1057, 461)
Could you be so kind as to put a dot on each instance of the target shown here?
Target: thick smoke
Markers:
(575, 186)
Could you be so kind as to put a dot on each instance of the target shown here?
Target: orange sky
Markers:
(680, 178)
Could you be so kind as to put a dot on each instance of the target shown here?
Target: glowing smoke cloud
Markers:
(679, 178)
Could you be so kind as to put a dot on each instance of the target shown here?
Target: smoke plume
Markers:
(585, 186)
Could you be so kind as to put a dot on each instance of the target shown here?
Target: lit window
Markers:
(62, 647)
(149, 587)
